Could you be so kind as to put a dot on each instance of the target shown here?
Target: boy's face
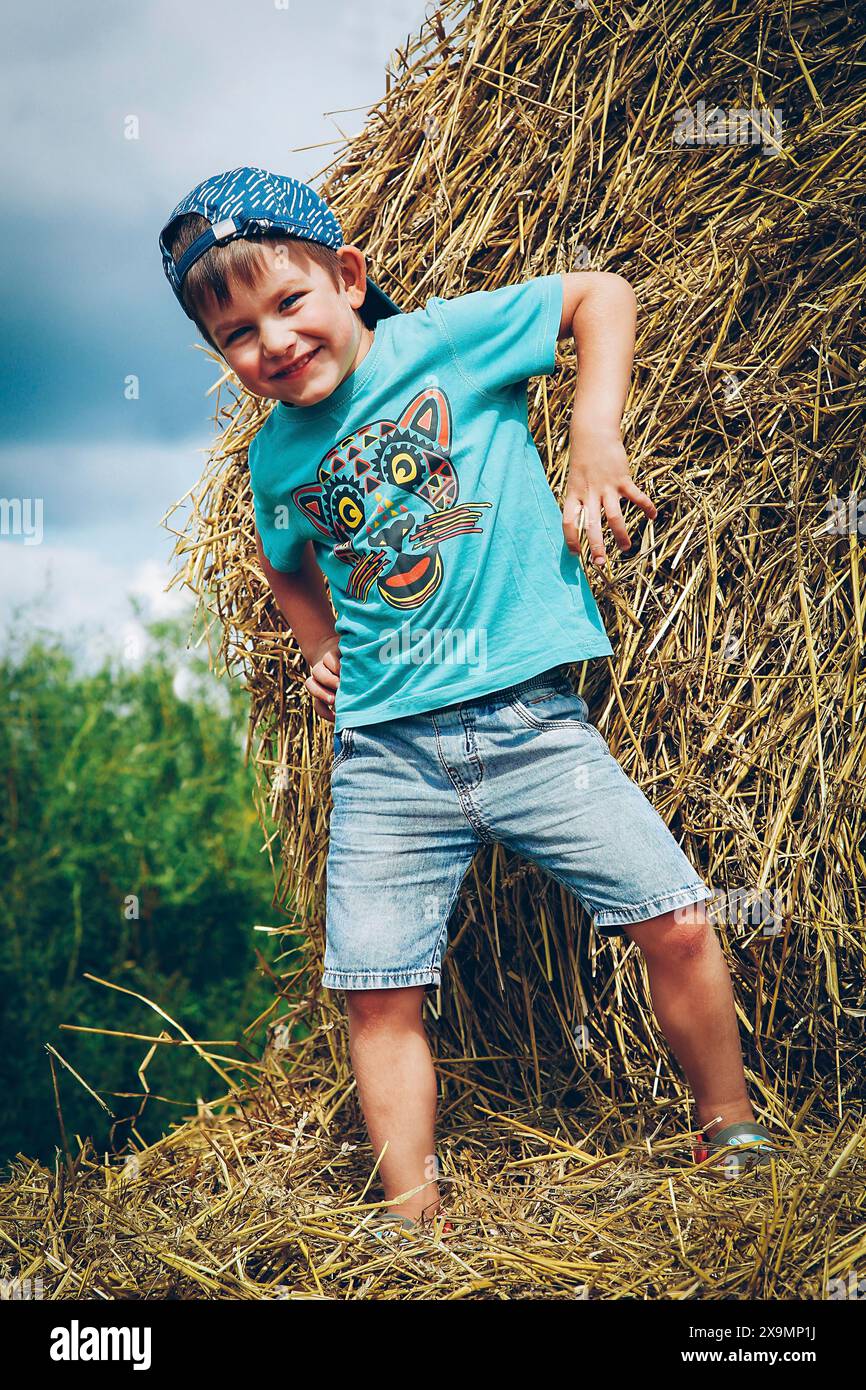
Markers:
(294, 311)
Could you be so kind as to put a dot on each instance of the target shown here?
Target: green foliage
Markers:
(130, 849)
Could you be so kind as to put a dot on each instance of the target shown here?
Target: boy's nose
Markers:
(276, 344)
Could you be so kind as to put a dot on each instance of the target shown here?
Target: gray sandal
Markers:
(381, 1221)
(731, 1138)
(391, 1226)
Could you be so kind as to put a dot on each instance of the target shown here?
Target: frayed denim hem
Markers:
(652, 907)
(373, 979)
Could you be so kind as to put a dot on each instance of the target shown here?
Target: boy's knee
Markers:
(370, 1005)
(680, 935)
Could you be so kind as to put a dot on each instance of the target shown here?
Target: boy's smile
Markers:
(294, 336)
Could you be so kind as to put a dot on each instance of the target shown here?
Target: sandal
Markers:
(390, 1226)
(728, 1140)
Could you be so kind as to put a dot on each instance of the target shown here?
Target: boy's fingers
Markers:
(319, 690)
(594, 535)
(634, 494)
(324, 710)
(572, 520)
(577, 515)
(332, 658)
(615, 520)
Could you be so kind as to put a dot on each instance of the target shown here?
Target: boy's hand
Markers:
(598, 476)
(324, 679)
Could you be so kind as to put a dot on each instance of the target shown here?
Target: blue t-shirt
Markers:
(424, 495)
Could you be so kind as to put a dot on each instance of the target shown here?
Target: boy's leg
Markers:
(397, 1087)
(400, 845)
(693, 999)
(554, 792)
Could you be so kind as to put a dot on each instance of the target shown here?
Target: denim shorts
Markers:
(414, 797)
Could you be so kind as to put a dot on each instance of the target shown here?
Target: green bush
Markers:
(130, 849)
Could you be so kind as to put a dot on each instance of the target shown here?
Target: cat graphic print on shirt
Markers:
(387, 498)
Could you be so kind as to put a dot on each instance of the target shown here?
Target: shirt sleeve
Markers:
(282, 543)
(502, 337)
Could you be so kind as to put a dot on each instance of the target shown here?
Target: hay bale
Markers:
(546, 143)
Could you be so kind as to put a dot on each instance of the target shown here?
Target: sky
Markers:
(87, 473)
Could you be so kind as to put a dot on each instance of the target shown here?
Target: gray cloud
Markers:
(83, 301)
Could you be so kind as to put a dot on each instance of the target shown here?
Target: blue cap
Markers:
(247, 200)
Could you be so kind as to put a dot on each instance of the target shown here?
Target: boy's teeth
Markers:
(300, 362)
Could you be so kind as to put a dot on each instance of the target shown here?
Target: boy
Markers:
(399, 451)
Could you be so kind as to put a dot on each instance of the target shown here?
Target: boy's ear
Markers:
(353, 259)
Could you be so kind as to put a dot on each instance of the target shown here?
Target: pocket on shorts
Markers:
(553, 700)
(344, 743)
(554, 706)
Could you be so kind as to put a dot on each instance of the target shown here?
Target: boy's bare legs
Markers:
(693, 999)
(397, 1088)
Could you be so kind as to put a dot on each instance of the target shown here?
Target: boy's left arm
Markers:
(599, 311)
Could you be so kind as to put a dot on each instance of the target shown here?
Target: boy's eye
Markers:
(238, 331)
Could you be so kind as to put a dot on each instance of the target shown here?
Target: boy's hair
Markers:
(241, 259)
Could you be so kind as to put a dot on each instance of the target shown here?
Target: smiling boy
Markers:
(398, 462)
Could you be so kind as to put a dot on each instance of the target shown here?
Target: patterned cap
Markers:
(248, 201)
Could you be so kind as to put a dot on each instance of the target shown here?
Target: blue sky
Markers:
(211, 84)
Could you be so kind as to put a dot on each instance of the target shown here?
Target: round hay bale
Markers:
(565, 139)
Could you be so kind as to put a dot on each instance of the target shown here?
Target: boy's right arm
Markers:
(303, 601)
